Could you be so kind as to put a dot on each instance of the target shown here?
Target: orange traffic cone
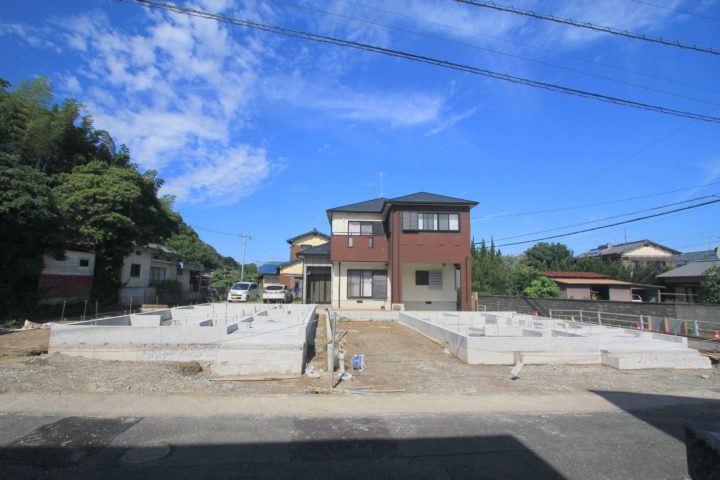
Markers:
(717, 334)
(637, 325)
(537, 315)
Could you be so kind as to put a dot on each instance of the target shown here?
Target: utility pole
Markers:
(382, 189)
(244, 236)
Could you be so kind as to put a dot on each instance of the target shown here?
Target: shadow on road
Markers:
(78, 447)
(667, 413)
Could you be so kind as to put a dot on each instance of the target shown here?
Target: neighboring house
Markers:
(408, 252)
(317, 274)
(636, 254)
(690, 257)
(310, 239)
(596, 286)
(69, 279)
(683, 283)
(153, 263)
(268, 274)
(291, 273)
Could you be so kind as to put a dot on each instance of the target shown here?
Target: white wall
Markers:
(71, 264)
(648, 251)
(423, 293)
(339, 288)
(339, 223)
(143, 259)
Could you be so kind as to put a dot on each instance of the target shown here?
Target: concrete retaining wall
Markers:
(506, 338)
(274, 343)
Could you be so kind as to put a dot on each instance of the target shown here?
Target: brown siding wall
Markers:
(431, 247)
(65, 286)
(360, 252)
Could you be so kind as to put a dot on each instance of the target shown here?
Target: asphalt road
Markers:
(631, 442)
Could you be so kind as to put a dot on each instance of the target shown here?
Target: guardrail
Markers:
(641, 322)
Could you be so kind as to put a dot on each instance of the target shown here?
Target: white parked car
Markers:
(243, 292)
(277, 294)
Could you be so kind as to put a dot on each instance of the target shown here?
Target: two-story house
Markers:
(412, 251)
(643, 253)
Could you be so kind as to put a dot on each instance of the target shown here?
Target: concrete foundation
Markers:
(504, 338)
(230, 339)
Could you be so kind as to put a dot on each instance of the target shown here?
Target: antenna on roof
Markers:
(382, 189)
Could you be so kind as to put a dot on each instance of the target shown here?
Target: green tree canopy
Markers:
(545, 256)
(109, 209)
(711, 285)
(31, 226)
(542, 287)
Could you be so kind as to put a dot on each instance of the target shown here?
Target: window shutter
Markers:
(377, 228)
(379, 284)
(406, 221)
(435, 279)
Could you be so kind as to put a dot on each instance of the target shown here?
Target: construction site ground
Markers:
(398, 361)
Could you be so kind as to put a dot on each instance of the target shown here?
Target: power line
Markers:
(498, 52)
(590, 26)
(684, 12)
(610, 225)
(610, 218)
(535, 212)
(423, 59)
(217, 231)
(520, 44)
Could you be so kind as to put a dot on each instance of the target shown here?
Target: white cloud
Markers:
(224, 178)
(452, 121)
(398, 109)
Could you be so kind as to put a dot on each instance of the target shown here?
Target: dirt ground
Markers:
(397, 359)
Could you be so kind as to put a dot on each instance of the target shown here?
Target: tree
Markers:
(545, 256)
(520, 279)
(31, 226)
(108, 210)
(489, 271)
(542, 287)
(711, 284)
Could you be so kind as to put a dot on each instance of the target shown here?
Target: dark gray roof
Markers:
(368, 206)
(314, 231)
(378, 204)
(695, 269)
(290, 262)
(424, 197)
(320, 250)
(622, 248)
(689, 257)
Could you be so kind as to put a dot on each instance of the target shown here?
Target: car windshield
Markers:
(274, 287)
(241, 286)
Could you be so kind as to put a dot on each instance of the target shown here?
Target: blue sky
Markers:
(258, 133)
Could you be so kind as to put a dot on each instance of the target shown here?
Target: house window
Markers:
(304, 246)
(365, 228)
(431, 278)
(135, 270)
(367, 284)
(350, 242)
(430, 222)
(371, 242)
(84, 262)
(157, 274)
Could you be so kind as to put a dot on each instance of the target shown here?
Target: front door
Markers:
(318, 288)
